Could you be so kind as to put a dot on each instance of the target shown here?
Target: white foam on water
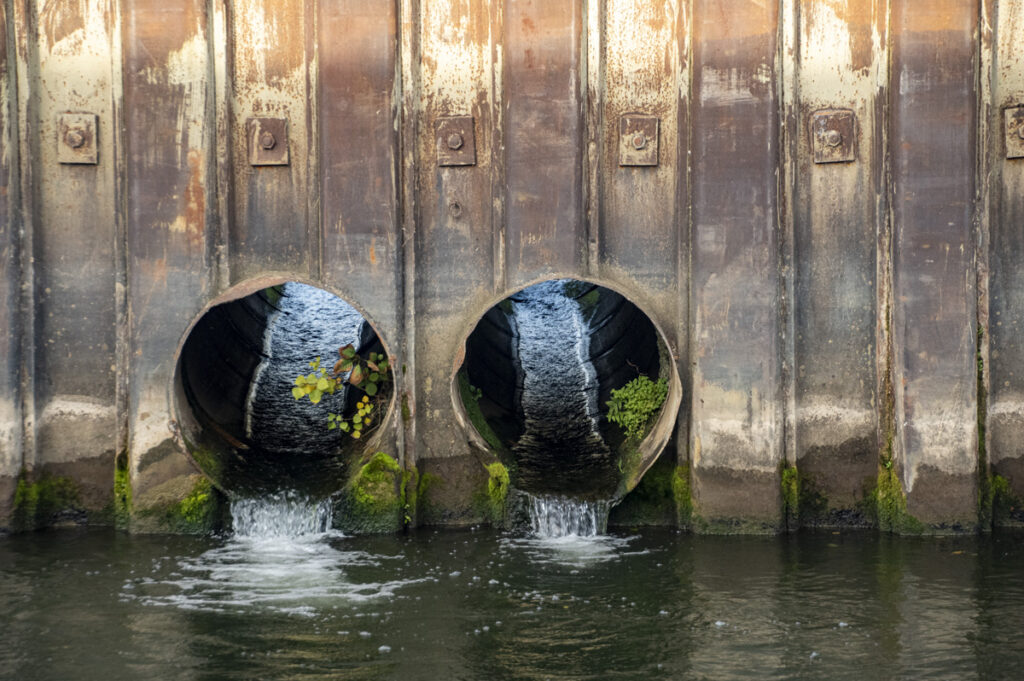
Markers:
(282, 558)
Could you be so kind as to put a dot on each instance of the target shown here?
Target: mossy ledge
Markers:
(122, 492)
(45, 499)
(374, 499)
(204, 510)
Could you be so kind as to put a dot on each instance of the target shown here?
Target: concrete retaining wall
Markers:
(848, 334)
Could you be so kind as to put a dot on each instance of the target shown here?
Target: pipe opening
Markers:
(233, 391)
(539, 373)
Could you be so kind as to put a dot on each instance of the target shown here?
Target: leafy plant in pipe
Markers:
(370, 374)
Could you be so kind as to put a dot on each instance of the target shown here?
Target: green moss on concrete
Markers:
(802, 504)
(471, 401)
(406, 412)
(490, 503)
(201, 511)
(44, 499)
(1002, 501)
(682, 496)
(888, 503)
(122, 492)
(374, 499)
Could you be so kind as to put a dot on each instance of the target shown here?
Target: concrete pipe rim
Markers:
(661, 431)
(181, 417)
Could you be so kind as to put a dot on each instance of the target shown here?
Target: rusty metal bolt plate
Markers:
(638, 140)
(268, 141)
(454, 141)
(833, 132)
(76, 138)
(1013, 119)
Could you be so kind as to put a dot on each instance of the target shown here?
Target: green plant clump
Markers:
(497, 490)
(633, 405)
(371, 374)
(37, 502)
(122, 492)
(374, 499)
(889, 504)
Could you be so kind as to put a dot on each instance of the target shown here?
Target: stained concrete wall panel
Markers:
(1006, 321)
(10, 333)
(641, 210)
(933, 156)
(456, 244)
(841, 62)
(544, 138)
(74, 250)
(736, 420)
(361, 234)
(167, 111)
(271, 62)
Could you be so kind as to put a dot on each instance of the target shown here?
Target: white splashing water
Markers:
(282, 558)
(554, 516)
(280, 515)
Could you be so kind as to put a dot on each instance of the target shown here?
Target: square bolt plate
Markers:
(833, 136)
(454, 141)
(638, 140)
(76, 138)
(268, 141)
(1014, 118)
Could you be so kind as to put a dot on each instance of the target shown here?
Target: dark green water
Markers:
(481, 605)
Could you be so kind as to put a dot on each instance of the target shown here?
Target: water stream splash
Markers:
(282, 557)
(283, 515)
(555, 516)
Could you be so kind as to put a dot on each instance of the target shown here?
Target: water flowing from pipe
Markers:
(554, 516)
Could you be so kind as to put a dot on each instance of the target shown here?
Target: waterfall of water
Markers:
(554, 516)
(281, 515)
(561, 443)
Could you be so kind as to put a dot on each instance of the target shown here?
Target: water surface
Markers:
(95, 604)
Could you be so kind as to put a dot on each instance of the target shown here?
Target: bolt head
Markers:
(267, 140)
(74, 139)
(639, 141)
(833, 138)
(455, 141)
(455, 209)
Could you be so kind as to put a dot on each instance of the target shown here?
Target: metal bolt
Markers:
(455, 209)
(639, 141)
(833, 138)
(455, 141)
(267, 140)
(74, 139)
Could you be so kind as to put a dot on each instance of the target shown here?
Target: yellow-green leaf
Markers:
(297, 393)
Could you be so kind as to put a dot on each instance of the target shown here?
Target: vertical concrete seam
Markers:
(496, 148)
(684, 250)
(985, 155)
(122, 349)
(593, 64)
(26, 70)
(222, 146)
(788, 85)
(15, 215)
(314, 165)
(407, 76)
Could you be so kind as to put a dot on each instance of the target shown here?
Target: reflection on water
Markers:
(482, 605)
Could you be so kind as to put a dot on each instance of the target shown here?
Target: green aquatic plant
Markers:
(370, 374)
(633, 405)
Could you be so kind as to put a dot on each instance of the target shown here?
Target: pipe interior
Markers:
(240, 422)
(542, 365)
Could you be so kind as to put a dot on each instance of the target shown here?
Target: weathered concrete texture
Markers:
(736, 410)
(836, 215)
(731, 500)
(452, 491)
(934, 264)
